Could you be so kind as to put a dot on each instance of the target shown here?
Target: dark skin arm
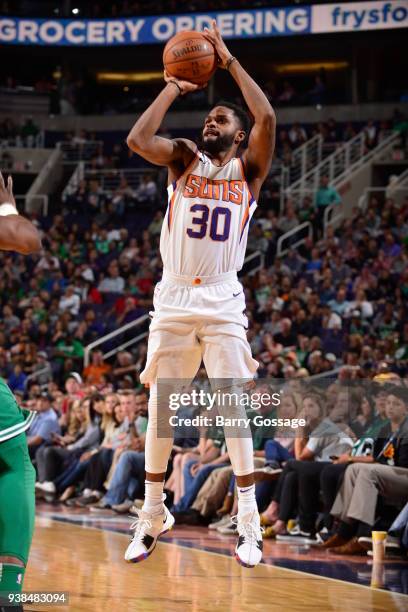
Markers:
(142, 139)
(16, 233)
(261, 143)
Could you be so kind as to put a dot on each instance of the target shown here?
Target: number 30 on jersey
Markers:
(219, 224)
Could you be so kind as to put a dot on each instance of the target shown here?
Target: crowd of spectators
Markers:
(24, 134)
(336, 468)
(342, 293)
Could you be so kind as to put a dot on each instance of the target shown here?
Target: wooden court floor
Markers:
(88, 563)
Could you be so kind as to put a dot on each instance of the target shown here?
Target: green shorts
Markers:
(17, 498)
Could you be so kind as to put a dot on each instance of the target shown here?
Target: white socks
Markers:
(246, 500)
(154, 497)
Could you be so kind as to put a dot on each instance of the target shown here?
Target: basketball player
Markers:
(17, 475)
(199, 304)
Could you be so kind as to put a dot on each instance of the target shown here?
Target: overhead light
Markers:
(127, 77)
(56, 11)
(126, 88)
(75, 11)
(310, 67)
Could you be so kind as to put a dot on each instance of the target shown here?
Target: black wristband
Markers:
(229, 62)
(177, 85)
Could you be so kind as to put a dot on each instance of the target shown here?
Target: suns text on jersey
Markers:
(214, 189)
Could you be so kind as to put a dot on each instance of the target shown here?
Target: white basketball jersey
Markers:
(205, 229)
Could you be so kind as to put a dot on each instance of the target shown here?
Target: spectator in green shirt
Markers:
(325, 196)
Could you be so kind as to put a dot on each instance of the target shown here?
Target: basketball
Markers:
(190, 56)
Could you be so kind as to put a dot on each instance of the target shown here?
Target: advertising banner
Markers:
(285, 21)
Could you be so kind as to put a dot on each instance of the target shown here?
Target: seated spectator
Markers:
(44, 425)
(156, 225)
(29, 132)
(17, 379)
(93, 467)
(277, 449)
(212, 455)
(10, 320)
(47, 262)
(130, 445)
(340, 305)
(289, 220)
(51, 460)
(399, 529)
(122, 196)
(257, 240)
(321, 439)
(147, 190)
(124, 366)
(384, 474)
(362, 305)
(70, 301)
(285, 336)
(294, 262)
(113, 283)
(297, 135)
(42, 368)
(93, 373)
(326, 195)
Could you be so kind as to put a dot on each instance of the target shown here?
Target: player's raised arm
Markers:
(143, 139)
(261, 144)
(16, 233)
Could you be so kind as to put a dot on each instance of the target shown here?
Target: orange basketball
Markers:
(190, 56)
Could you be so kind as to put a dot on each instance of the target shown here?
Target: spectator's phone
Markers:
(333, 457)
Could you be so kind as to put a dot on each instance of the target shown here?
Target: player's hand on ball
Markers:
(214, 36)
(184, 86)
(6, 192)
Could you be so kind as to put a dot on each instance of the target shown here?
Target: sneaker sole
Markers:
(144, 556)
(241, 562)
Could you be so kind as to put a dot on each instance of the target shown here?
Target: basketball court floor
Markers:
(192, 569)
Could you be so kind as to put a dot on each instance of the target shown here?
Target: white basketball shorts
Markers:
(198, 319)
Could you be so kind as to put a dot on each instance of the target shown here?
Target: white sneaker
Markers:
(147, 529)
(391, 543)
(222, 522)
(297, 536)
(248, 551)
(229, 529)
(46, 487)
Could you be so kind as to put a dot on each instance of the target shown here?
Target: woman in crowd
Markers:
(97, 468)
(69, 448)
(75, 471)
(320, 440)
